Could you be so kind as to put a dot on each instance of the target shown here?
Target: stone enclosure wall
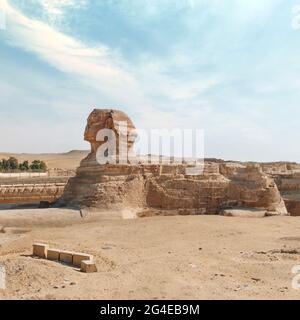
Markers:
(268, 186)
(31, 190)
(166, 187)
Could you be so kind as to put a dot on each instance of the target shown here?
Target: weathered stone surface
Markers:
(31, 191)
(287, 177)
(293, 207)
(69, 257)
(79, 257)
(53, 254)
(221, 186)
(66, 257)
(88, 266)
(244, 213)
(108, 119)
(40, 250)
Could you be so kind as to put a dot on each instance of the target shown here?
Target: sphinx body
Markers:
(159, 186)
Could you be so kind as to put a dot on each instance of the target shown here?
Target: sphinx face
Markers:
(105, 119)
(97, 121)
(91, 127)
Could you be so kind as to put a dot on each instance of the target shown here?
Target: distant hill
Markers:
(69, 160)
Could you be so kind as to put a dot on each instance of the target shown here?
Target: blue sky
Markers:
(230, 67)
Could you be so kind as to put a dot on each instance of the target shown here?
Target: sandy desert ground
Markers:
(174, 257)
(68, 160)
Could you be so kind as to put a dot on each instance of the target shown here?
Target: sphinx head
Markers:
(108, 119)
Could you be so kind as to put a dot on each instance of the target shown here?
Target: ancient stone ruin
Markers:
(31, 191)
(166, 187)
(287, 178)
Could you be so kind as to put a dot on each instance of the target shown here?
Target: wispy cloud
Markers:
(98, 64)
(57, 7)
(212, 64)
(98, 67)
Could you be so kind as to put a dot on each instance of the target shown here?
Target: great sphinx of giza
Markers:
(166, 187)
(108, 119)
(105, 185)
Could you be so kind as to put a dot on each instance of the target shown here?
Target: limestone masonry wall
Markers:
(31, 191)
(166, 187)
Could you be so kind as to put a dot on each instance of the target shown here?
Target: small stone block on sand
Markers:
(53, 254)
(40, 250)
(66, 257)
(88, 266)
(79, 257)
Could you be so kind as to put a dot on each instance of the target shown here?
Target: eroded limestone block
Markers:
(66, 256)
(293, 207)
(40, 250)
(53, 254)
(244, 213)
(79, 257)
(88, 266)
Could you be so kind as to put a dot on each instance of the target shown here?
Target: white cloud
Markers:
(99, 67)
(156, 78)
(57, 6)
(106, 72)
(98, 64)
(178, 90)
(56, 9)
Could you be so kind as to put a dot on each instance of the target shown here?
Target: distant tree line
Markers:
(12, 165)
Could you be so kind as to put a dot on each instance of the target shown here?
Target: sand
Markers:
(171, 257)
(68, 161)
